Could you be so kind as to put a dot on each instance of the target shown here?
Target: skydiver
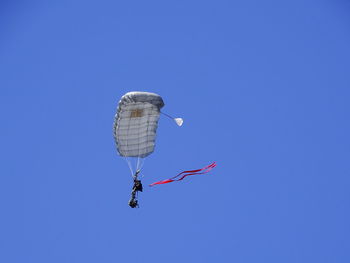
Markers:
(137, 187)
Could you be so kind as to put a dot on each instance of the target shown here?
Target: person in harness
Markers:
(137, 187)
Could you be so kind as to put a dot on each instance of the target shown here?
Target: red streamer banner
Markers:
(184, 174)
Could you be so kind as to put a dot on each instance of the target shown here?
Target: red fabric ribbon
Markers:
(185, 174)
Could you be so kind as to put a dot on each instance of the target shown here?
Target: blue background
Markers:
(263, 87)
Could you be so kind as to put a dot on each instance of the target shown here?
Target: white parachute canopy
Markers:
(136, 123)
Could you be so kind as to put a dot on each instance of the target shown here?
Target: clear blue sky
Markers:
(264, 89)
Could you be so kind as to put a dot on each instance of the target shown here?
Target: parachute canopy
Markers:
(136, 122)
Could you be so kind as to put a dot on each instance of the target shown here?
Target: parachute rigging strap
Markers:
(184, 174)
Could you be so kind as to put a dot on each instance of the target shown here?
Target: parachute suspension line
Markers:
(138, 164)
(130, 166)
(167, 115)
(179, 121)
(142, 163)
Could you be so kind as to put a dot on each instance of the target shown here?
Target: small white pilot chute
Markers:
(179, 121)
